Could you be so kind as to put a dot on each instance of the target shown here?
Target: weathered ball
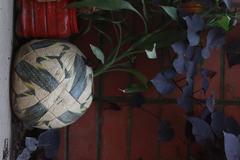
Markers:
(51, 84)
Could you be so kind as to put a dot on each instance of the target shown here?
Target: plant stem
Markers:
(116, 58)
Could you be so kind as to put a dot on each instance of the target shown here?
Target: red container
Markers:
(46, 19)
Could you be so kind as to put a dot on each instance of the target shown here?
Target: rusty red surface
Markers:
(45, 19)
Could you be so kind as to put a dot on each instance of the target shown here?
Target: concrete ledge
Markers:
(6, 27)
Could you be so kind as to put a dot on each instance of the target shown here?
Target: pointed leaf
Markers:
(98, 53)
(142, 78)
(152, 54)
(171, 11)
(111, 5)
(104, 4)
(222, 22)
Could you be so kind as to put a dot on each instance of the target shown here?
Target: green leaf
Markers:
(135, 88)
(98, 53)
(104, 4)
(222, 22)
(152, 54)
(171, 11)
(110, 5)
(144, 9)
(142, 78)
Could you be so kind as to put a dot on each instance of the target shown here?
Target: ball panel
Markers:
(38, 44)
(62, 103)
(33, 114)
(26, 101)
(47, 117)
(23, 51)
(76, 107)
(54, 68)
(79, 82)
(69, 117)
(56, 124)
(88, 89)
(53, 96)
(29, 58)
(18, 85)
(88, 102)
(40, 93)
(39, 76)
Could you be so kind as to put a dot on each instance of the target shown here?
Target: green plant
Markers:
(187, 21)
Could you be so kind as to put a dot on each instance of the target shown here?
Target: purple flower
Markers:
(187, 58)
(185, 100)
(215, 39)
(163, 82)
(206, 74)
(201, 130)
(179, 63)
(195, 24)
(210, 103)
(231, 146)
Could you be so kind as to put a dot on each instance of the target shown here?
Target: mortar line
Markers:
(66, 143)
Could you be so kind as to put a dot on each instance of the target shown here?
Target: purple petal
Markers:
(163, 85)
(179, 47)
(210, 103)
(215, 38)
(185, 100)
(201, 130)
(195, 23)
(205, 85)
(25, 155)
(206, 115)
(179, 64)
(217, 123)
(206, 73)
(193, 37)
(231, 126)
(191, 67)
(231, 146)
(31, 143)
(190, 53)
(206, 51)
(169, 74)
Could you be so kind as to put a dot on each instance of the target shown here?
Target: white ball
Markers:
(51, 84)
